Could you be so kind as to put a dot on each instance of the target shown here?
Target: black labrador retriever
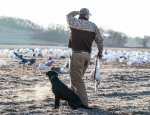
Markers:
(61, 91)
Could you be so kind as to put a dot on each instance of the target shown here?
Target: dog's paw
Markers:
(55, 107)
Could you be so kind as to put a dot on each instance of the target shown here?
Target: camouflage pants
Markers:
(78, 65)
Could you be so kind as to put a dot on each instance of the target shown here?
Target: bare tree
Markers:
(145, 41)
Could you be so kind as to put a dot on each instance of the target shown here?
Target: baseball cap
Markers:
(84, 11)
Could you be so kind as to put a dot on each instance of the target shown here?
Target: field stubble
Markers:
(125, 90)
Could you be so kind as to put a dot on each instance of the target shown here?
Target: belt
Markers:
(80, 51)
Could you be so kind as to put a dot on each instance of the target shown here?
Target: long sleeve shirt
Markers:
(83, 32)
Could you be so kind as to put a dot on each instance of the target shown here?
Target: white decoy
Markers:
(109, 59)
(66, 53)
(148, 60)
(130, 59)
(137, 60)
(44, 52)
(41, 66)
(121, 60)
(92, 56)
(11, 54)
(105, 56)
(37, 51)
(129, 63)
(146, 54)
(124, 52)
(31, 53)
(60, 52)
(62, 70)
(5, 52)
(107, 35)
(27, 50)
(53, 53)
(16, 50)
(20, 51)
(23, 51)
(127, 55)
(3, 64)
(50, 52)
(145, 59)
(67, 63)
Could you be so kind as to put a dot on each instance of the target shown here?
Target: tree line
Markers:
(17, 23)
(61, 33)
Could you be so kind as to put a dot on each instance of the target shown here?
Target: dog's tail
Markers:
(85, 107)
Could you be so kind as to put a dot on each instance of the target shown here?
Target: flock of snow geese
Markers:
(131, 56)
(109, 55)
(35, 53)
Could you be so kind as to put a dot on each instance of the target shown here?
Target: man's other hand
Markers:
(99, 55)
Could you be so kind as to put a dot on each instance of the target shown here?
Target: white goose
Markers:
(2, 64)
(98, 78)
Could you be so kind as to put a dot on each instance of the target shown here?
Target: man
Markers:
(82, 34)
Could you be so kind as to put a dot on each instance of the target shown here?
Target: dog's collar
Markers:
(52, 77)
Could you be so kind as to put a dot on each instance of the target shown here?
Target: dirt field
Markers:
(125, 90)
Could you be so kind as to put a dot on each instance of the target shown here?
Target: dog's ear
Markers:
(46, 73)
(56, 74)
